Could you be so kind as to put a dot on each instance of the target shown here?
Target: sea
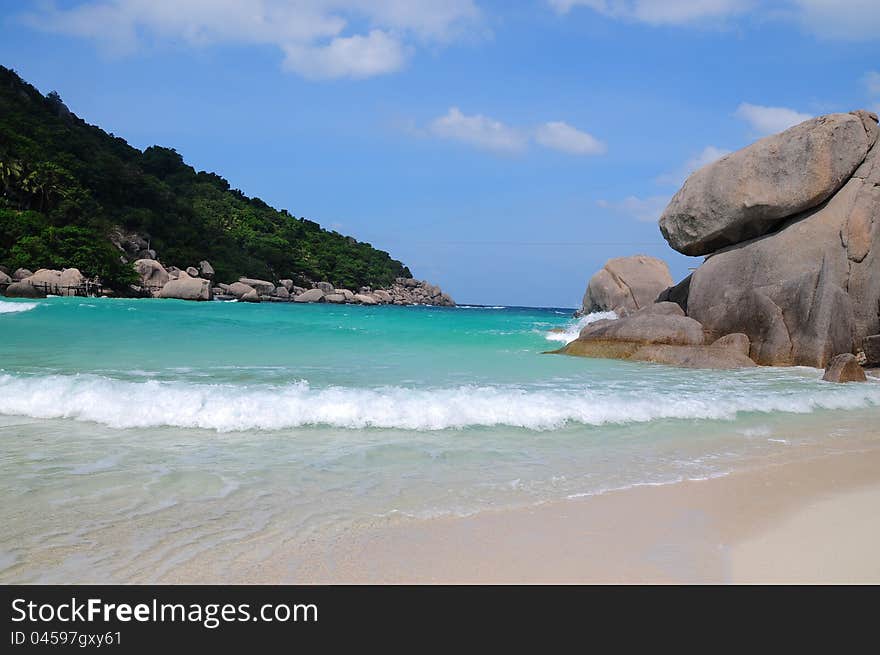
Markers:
(142, 437)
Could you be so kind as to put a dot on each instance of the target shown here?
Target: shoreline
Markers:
(765, 525)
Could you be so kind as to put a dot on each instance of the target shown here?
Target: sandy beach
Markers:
(813, 521)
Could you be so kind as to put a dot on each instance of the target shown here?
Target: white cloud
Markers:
(646, 210)
(478, 130)
(315, 35)
(846, 20)
(562, 136)
(659, 12)
(705, 157)
(354, 56)
(769, 120)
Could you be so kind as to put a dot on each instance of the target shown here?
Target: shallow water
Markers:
(141, 435)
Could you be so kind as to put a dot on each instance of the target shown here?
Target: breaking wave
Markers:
(7, 307)
(226, 407)
(572, 331)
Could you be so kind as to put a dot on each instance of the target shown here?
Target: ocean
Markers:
(140, 437)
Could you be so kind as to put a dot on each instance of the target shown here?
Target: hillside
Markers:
(67, 186)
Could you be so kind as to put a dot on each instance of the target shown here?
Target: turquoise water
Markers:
(142, 436)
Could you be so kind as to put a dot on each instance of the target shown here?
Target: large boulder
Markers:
(660, 334)
(206, 270)
(186, 288)
(47, 279)
(4, 278)
(153, 275)
(810, 290)
(365, 299)
(239, 289)
(871, 347)
(326, 287)
(312, 295)
(337, 298)
(20, 274)
(262, 286)
(844, 368)
(282, 293)
(750, 192)
(24, 290)
(626, 284)
(71, 277)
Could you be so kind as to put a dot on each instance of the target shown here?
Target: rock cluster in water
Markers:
(790, 227)
(196, 283)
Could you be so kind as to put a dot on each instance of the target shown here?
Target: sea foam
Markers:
(227, 407)
(16, 307)
(573, 330)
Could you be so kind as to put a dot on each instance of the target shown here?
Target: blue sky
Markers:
(503, 150)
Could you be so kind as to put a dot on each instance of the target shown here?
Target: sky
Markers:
(503, 150)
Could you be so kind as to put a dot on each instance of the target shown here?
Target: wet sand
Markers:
(808, 521)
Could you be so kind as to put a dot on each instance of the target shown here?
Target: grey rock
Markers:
(287, 284)
(326, 287)
(626, 284)
(23, 290)
(206, 270)
(871, 346)
(251, 296)
(282, 293)
(4, 278)
(192, 271)
(239, 289)
(334, 298)
(750, 192)
(365, 299)
(844, 368)
(187, 288)
(262, 286)
(20, 274)
(312, 295)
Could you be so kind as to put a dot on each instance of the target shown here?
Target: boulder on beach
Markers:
(153, 275)
(23, 290)
(251, 296)
(282, 293)
(334, 298)
(748, 193)
(844, 368)
(626, 284)
(186, 288)
(287, 284)
(326, 287)
(20, 274)
(364, 299)
(385, 297)
(262, 286)
(661, 334)
(238, 289)
(806, 288)
(206, 270)
(4, 278)
(312, 295)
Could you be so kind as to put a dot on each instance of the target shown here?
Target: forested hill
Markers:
(67, 186)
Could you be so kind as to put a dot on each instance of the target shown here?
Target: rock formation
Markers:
(662, 334)
(791, 229)
(844, 368)
(807, 288)
(626, 284)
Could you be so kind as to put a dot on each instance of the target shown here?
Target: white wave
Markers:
(15, 307)
(227, 407)
(573, 330)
